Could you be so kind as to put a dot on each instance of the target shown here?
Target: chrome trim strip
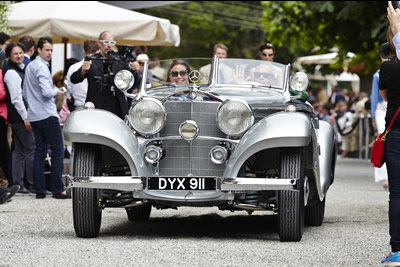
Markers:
(257, 184)
(134, 183)
(177, 137)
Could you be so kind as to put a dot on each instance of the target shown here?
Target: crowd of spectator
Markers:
(343, 109)
(34, 105)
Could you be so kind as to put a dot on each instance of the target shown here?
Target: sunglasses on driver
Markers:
(176, 73)
(265, 75)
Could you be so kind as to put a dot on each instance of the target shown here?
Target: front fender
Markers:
(102, 127)
(326, 140)
(281, 129)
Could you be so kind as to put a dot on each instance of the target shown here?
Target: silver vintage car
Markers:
(236, 134)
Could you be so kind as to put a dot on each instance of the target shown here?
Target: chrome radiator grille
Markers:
(184, 158)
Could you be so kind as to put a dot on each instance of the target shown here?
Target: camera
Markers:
(396, 4)
(126, 51)
(112, 63)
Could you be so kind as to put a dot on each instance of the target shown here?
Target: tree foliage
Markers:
(203, 24)
(296, 28)
(356, 26)
(5, 8)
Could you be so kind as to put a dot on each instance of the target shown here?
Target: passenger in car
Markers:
(178, 72)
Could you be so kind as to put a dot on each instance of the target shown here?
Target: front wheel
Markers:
(291, 203)
(85, 201)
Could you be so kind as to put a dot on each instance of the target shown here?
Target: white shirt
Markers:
(78, 90)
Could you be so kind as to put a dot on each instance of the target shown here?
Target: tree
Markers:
(203, 24)
(294, 27)
(5, 7)
(359, 27)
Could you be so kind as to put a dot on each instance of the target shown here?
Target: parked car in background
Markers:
(244, 140)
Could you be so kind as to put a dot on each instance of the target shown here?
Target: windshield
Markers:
(229, 71)
(248, 71)
(176, 71)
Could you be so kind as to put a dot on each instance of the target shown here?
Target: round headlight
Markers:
(147, 116)
(234, 117)
(124, 80)
(299, 81)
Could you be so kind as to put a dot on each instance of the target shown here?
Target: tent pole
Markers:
(65, 42)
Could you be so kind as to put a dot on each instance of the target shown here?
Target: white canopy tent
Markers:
(76, 21)
(332, 80)
(73, 22)
(328, 58)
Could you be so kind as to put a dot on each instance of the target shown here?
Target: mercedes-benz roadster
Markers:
(236, 134)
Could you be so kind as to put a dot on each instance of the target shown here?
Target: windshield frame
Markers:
(213, 82)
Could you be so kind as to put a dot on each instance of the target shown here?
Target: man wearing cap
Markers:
(101, 90)
(140, 60)
(138, 67)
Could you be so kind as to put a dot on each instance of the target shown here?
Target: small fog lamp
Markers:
(218, 154)
(189, 130)
(153, 154)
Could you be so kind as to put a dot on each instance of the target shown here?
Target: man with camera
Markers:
(99, 70)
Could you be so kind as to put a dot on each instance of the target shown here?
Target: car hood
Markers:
(251, 96)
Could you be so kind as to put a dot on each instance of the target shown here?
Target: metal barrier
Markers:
(364, 123)
(358, 135)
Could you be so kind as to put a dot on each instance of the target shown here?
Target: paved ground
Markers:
(355, 233)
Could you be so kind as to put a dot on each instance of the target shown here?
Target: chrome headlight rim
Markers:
(155, 131)
(299, 81)
(127, 85)
(248, 108)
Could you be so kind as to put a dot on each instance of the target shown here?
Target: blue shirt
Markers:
(375, 95)
(38, 90)
(396, 42)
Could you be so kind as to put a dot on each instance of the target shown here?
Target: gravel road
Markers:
(39, 232)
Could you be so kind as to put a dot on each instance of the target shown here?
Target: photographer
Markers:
(99, 71)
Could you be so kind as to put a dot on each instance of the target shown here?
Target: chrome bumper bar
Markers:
(134, 183)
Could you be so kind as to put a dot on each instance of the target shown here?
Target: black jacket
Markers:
(13, 115)
(101, 90)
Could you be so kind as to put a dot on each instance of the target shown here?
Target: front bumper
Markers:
(134, 183)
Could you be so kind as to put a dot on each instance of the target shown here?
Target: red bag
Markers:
(377, 157)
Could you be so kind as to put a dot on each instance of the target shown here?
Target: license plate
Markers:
(181, 183)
